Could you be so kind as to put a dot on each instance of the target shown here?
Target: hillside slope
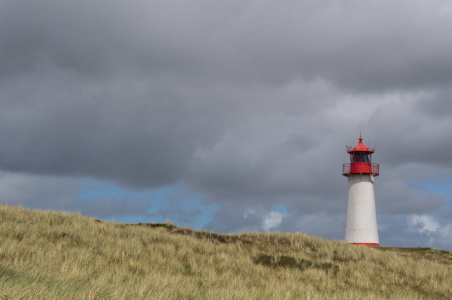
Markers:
(56, 255)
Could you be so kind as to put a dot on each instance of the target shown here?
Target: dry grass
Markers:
(55, 255)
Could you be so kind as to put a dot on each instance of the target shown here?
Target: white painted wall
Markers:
(361, 222)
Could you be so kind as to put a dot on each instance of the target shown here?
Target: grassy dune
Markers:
(56, 255)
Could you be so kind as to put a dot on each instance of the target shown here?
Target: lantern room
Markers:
(360, 161)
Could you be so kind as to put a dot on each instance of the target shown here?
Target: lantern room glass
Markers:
(360, 157)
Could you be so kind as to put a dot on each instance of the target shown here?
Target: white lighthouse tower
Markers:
(361, 223)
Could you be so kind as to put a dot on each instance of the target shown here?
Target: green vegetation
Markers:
(55, 255)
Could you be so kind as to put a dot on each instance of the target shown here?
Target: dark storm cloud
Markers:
(246, 102)
(63, 139)
(358, 45)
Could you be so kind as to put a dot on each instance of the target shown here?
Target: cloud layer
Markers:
(248, 103)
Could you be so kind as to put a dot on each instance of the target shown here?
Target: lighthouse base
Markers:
(366, 244)
(361, 223)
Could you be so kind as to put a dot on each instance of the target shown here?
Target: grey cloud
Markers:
(401, 231)
(241, 42)
(32, 191)
(231, 218)
(395, 197)
(436, 104)
(144, 140)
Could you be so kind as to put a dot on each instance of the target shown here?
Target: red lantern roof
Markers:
(360, 147)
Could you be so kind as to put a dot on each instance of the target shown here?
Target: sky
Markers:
(229, 116)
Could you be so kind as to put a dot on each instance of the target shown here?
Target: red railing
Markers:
(345, 169)
(361, 168)
(375, 169)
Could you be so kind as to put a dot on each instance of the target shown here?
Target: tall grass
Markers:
(56, 255)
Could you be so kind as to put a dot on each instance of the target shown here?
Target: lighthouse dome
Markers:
(360, 147)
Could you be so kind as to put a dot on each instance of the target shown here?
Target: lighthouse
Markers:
(361, 222)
